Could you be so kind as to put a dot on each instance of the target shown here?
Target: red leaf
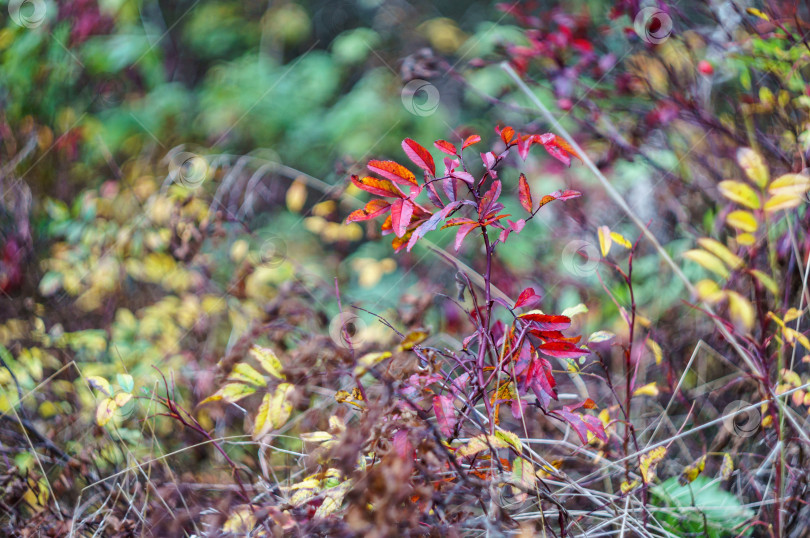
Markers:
(462, 233)
(445, 413)
(373, 208)
(401, 213)
(470, 140)
(557, 147)
(559, 195)
(527, 297)
(393, 171)
(463, 176)
(446, 147)
(490, 197)
(567, 195)
(563, 350)
(419, 155)
(515, 227)
(525, 193)
(576, 422)
(548, 322)
(431, 223)
(381, 187)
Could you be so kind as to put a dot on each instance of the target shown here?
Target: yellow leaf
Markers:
(240, 522)
(572, 311)
(629, 486)
(792, 335)
(707, 261)
(650, 389)
(619, 238)
(727, 467)
(274, 410)
(708, 291)
(769, 283)
(122, 398)
(411, 339)
(268, 360)
(742, 220)
(767, 421)
(316, 437)
(757, 13)
(746, 239)
(791, 314)
(778, 202)
(721, 251)
(368, 360)
(649, 461)
(754, 166)
(105, 411)
(692, 471)
(601, 336)
(510, 439)
(100, 384)
(605, 240)
(480, 443)
(245, 373)
(739, 192)
(232, 392)
(741, 311)
(792, 184)
(604, 416)
(296, 195)
(656, 350)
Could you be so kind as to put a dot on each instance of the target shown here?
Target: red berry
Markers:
(705, 67)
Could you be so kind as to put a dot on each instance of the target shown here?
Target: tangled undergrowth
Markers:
(229, 349)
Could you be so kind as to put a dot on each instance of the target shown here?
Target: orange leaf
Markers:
(393, 171)
(470, 140)
(507, 134)
(525, 193)
(381, 187)
(373, 209)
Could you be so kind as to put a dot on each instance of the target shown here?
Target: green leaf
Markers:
(126, 382)
(682, 509)
(769, 283)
